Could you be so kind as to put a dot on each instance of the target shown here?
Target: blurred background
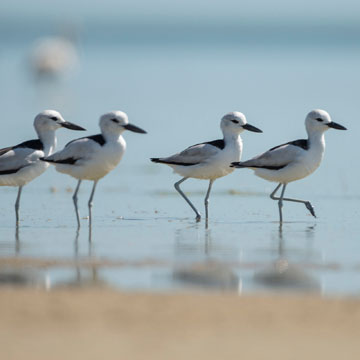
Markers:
(176, 67)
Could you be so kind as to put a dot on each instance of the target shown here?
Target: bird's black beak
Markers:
(134, 128)
(336, 126)
(251, 128)
(71, 126)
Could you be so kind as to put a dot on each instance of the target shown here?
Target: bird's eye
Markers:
(116, 121)
(54, 118)
(319, 119)
(235, 121)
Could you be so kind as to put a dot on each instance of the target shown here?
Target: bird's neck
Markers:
(111, 137)
(233, 146)
(317, 139)
(231, 138)
(48, 138)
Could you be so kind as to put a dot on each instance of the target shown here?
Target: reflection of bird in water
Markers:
(281, 275)
(86, 275)
(189, 242)
(209, 274)
(53, 56)
(17, 240)
(24, 277)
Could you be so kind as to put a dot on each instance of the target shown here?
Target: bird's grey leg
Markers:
(272, 196)
(281, 203)
(75, 198)
(177, 187)
(305, 202)
(90, 203)
(207, 200)
(17, 205)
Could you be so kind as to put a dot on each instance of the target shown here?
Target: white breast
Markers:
(97, 163)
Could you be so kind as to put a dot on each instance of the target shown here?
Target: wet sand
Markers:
(98, 323)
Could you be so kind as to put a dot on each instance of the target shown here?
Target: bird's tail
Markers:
(238, 164)
(47, 159)
(156, 160)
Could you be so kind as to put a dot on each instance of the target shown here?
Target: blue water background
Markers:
(177, 80)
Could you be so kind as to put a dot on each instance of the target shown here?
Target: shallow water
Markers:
(242, 250)
(144, 236)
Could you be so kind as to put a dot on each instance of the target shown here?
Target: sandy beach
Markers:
(99, 323)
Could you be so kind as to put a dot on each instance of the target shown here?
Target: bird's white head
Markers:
(235, 123)
(116, 122)
(51, 120)
(319, 121)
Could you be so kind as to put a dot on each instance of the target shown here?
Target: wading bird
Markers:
(92, 157)
(210, 160)
(20, 164)
(294, 160)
